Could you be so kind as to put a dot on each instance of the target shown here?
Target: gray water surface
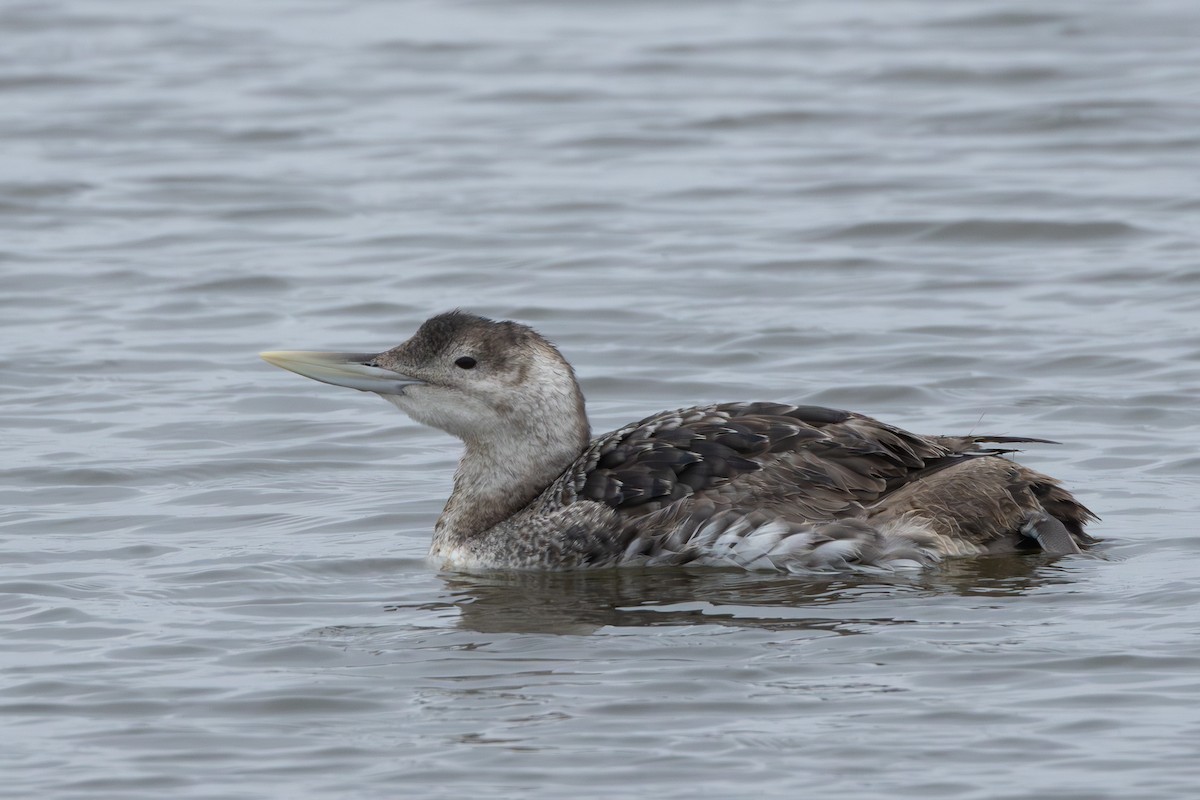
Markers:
(972, 216)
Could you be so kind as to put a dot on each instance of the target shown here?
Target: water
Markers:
(977, 216)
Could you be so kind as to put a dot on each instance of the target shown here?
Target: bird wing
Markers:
(804, 462)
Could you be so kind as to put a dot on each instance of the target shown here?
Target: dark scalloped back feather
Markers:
(827, 460)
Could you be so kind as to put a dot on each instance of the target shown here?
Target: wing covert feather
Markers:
(815, 462)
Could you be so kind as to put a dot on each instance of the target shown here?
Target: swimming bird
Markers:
(758, 485)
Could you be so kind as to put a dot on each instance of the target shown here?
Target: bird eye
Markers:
(465, 362)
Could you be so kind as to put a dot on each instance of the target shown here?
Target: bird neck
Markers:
(499, 477)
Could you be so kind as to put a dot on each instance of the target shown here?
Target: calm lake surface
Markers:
(974, 216)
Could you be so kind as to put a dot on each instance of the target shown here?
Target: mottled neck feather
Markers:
(490, 486)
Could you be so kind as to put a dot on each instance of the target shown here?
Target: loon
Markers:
(759, 485)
